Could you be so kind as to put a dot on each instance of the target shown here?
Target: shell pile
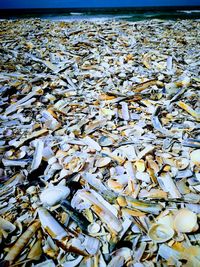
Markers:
(100, 143)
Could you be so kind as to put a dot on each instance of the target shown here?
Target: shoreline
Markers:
(87, 14)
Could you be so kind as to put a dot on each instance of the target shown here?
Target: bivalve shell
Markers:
(102, 162)
(105, 141)
(53, 195)
(195, 157)
(185, 221)
(94, 228)
(160, 233)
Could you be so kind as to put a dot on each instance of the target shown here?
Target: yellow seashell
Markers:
(140, 165)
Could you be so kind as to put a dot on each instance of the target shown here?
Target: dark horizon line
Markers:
(116, 8)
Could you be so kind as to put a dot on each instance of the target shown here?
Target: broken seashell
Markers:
(140, 165)
(54, 194)
(6, 226)
(160, 233)
(185, 221)
(143, 176)
(91, 143)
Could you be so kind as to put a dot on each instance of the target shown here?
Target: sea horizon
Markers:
(131, 13)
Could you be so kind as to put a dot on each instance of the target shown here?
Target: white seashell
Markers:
(50, 225)
(167, 220)
(105, 141)
(160, 233)
(182, 163)
(102, 162)
(93, 228)
(90, 244)
(125, 111)
(72, 263)
(195, 157)
(6, 226)
(91, 143)
(185, 221)
(143, 176)
(53, 195)
(31, 190)
(37, 157)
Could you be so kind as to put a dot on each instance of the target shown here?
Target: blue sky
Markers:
(93, 3)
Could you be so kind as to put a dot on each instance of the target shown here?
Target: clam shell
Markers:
(195, 157)
(93, 228)
(167, 220)
(102, 162)
(160, 233)
(105, 141)
(185, 221)
(53, 195)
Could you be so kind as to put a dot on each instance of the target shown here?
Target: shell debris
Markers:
(100, 143)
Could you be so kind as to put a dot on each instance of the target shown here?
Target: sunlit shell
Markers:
(160, 233)
(102, 162)
(93, 228)
(182, 163)
(53, 195)
(115, 185)
(140, 165)
(122, 201)
(143, 176)
(105, 141)
(195, 157)
(166, 220)
(185, 221)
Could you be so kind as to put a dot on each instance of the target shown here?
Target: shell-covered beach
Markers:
(100, 143)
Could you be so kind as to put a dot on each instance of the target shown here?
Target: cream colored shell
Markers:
(185, 221)
(160, 233)
(53, 195)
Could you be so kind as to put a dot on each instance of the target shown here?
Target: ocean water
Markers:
(104, 14)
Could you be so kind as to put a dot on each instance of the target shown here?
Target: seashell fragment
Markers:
(91, 143)
(143, 176)
(140, 165)
(185, 221)
(105, 141)
(167, 220)
(160, 233)
(6, 226)
(37, 155)
(53, 195)
(195, 157)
